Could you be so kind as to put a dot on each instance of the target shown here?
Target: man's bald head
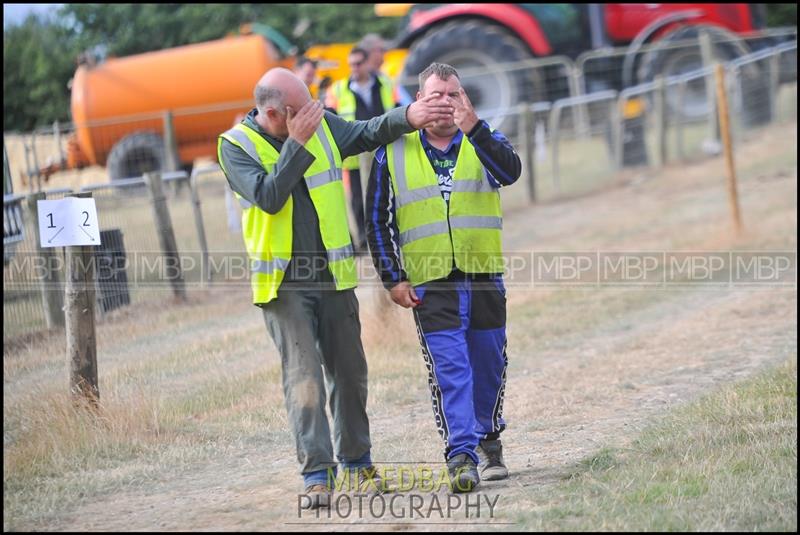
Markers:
(276, 91)
(279, 88)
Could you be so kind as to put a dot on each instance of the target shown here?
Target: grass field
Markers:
(727, 462)
(608, 424)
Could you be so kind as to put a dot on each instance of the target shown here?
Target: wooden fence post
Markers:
(580, 118)
(170, 145)
(57, 138)
(617, 130)
(659, 103)
(8, 185)
(679, 134)
(555, 132)
(81, 340)
(724, 127)
(774, 85)
(49, 284)
(526, 129)
(205, 275)
(707, 55)
(166, 235)
(36, 167)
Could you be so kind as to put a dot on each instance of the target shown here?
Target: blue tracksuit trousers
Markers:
(461, 324)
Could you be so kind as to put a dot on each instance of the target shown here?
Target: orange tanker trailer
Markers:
(119, 106)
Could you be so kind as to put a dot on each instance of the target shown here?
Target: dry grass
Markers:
(726, 462)
(164, 405)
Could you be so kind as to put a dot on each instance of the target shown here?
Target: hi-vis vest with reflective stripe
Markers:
(268, 238)
(431, 239)
(345, 105)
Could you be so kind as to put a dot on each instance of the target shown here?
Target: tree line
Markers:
(40, 55)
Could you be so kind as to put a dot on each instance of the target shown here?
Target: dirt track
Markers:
(588, 367)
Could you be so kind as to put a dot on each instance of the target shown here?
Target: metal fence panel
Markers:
(581, 156)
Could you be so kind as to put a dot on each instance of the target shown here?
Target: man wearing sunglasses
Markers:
(363, 95)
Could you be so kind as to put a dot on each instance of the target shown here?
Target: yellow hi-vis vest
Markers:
(431, 238)
(268, 238)
(345, 105)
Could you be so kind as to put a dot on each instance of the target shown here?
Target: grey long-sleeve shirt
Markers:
(270, 191)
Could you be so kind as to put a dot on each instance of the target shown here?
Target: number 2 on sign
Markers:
(86, 221)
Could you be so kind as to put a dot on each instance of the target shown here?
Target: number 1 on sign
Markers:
(77, 222)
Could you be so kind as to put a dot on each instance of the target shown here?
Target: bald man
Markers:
(284, 162)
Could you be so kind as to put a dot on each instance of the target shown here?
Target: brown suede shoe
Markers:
(320, 496)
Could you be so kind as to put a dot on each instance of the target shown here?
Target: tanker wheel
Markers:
(136, 154)
(478, 47)
(676, 61)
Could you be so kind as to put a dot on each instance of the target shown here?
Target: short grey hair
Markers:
(370, 41)
(442, 70)
(268, 97)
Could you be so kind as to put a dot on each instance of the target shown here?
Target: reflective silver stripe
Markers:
(331, 174)
(400, 164)
(439, 227)
(473, 186)
(340, 253)
(423, 231)
(246, 143)
(267, 267)
(325, 177)
(419, 194)
(244, 203)
(326, 146)
(471, 221)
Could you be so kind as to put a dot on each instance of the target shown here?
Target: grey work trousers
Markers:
(316, 330)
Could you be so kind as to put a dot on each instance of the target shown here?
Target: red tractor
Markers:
(479, 36)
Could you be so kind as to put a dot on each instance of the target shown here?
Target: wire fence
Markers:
(575, 123)
(588, 139)
(208, 246)
(22, 303)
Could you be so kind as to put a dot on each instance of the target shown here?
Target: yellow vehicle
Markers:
(332, 61)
